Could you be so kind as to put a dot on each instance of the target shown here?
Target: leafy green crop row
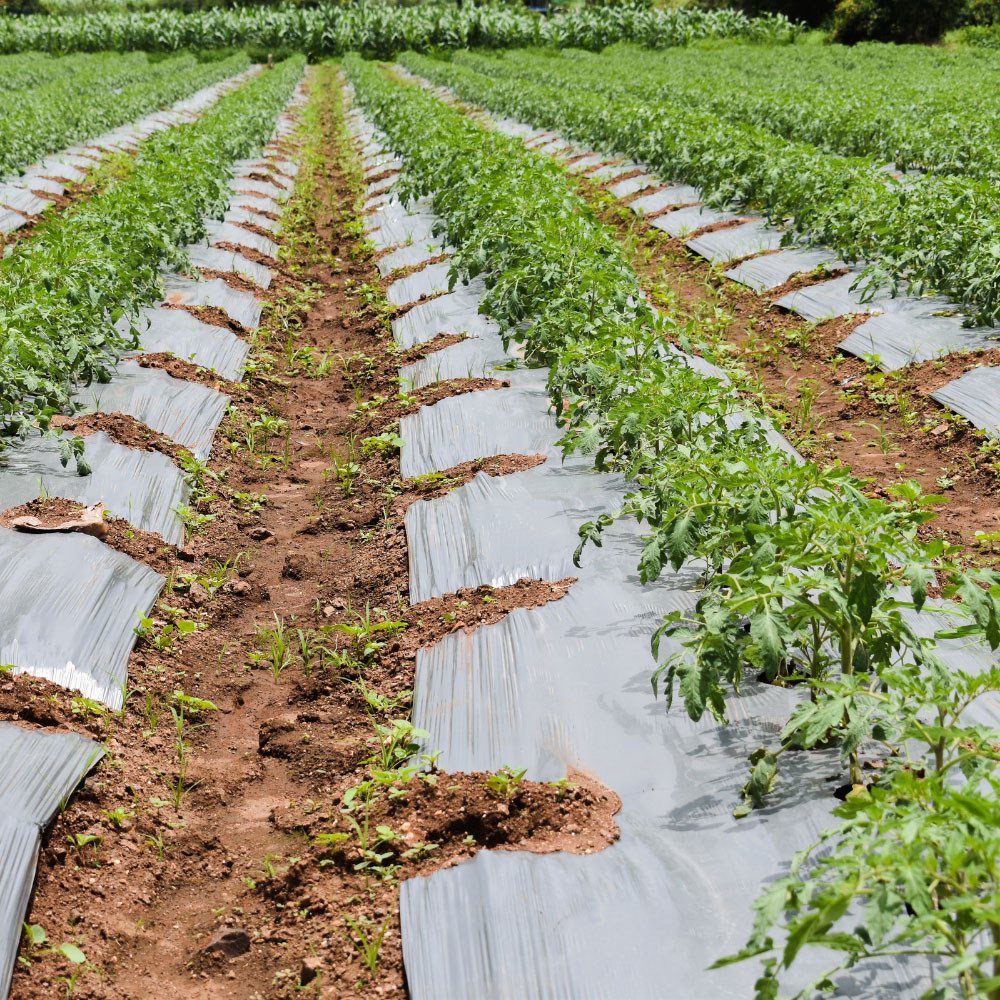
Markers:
(32, 69)
(933, 233)
(332, 29)
(807, 579)
(917, 106)
(88, 267)
(103, 93)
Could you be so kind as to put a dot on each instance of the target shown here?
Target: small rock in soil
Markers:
(231, 941)
(310, 969)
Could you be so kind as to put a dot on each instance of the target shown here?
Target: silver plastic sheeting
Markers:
(408, 256)
(393, 226)
(631, 185)
(178, 332)
(230, 262)
(976, 396)
(456, 312)
(243, 215)
(239, 306)
(494, 422)
(22, 200)
(379, 186)
(428, 281)
(10, 221)
(899, 339)
(256, 203)
(68, 605)
(225, 232)
(763, 273)
(687, 220)
(612, 170)
(144, 487)
(474, 357)
(585, 163)
(186, 412)
(678, 194)
(268, 190)
(40, 769)
(739, 241)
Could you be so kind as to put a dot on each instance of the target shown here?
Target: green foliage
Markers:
(804, 577)
(895, 20)
(89, 94)
(101, 260)
(379, 30)
(932, 233)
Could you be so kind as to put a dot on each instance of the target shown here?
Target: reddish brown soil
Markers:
(182, 369)
(249, 252)
(210, 314)
(246, 856)
(121, 428)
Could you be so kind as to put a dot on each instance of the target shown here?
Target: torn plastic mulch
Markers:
(69, 606)
(565, 685)
(144, 487)
(40, 770)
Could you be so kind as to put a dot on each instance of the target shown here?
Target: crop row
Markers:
(104, 92)
(61, 293)
(806, 579)
(930, 234)
(918, 107)
(332, 29)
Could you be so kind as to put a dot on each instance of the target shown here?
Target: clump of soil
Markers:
(122, 429)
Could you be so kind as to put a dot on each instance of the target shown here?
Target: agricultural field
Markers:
(496, 506)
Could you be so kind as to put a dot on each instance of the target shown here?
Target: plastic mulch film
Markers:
(40, 769)
(455, 312)
(976, 396)
(676, 194)
(178, 332)
(242, 215)
(613, 170)
(234, 263)
(68, 606)
(186, 412)
(409, 256)
(585, 163)
(268, 190)
(629, 186)
(422, 284)
(836, 298)
(225, 232)
(381, 186)
(772, 270)
(474, 357)
(392, 226)
(239, 306)
(144, 487)
(22, 200)
(494, 422)
(898, 339)
(738, 241)
(687, 220)
(10, 221)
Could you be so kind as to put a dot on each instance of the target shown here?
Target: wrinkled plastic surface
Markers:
(39, 770)
(410, 256)
(902, 338)
(144, 487)
(428, 281)
(455, 312)
(629, 186)
(178, 332)
(226, 232)
(687, 220)
(230, 262)
(976, 395)
(762, 273)
(186, 412)
(738, 241)
(239, 306)
(676, 194)
(68, 605)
